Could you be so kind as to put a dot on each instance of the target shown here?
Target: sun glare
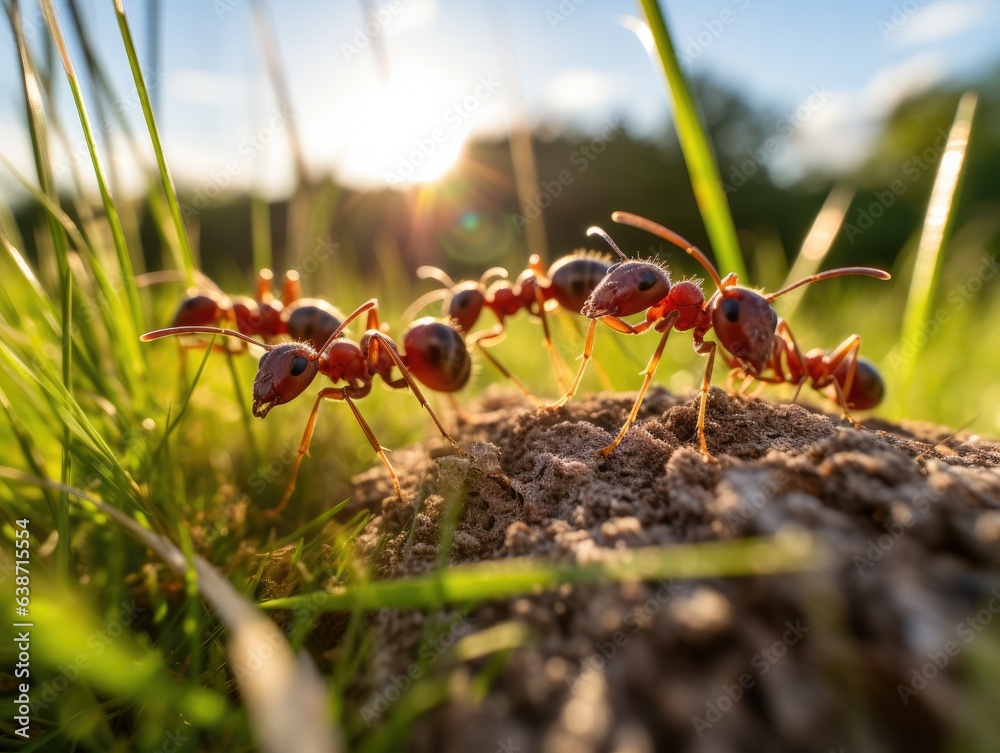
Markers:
(409, 130)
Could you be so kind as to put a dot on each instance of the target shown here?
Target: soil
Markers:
(877, 652)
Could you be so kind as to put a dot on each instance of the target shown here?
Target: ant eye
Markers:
(731, 308)
(646, 280)
(298, 365)
(260, 363)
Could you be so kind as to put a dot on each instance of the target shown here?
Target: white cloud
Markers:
(943, 20)
(839, 135)
(580, 90)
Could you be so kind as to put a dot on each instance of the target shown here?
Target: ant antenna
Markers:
(170, 331)
(655, 228)
(369, 304)
(423, 301)
(867, 271)
(595, 230)
(490, 273)
(434, 273)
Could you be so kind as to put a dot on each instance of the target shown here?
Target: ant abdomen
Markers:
(436, 355)
(199, 310)
(311, 320)
(867, 390)
(573, 279)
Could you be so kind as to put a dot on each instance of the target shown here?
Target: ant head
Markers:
(628, 288)
(282, 374)
(466, 304)
(744, 323)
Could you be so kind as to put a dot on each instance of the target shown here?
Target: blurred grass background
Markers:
(85, 403)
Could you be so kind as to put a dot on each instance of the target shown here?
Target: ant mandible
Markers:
(753, 338)
(309, 320)
(568, 282)
(433, 353)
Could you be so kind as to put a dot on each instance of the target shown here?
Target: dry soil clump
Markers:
(877, 652)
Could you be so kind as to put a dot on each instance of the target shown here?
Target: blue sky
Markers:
(443, 80)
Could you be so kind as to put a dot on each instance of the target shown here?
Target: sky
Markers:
(386, 92)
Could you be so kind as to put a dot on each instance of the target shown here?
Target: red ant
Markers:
(829, 373)
(568, 282)
(309, 320)
(754, 340)
(434, 353)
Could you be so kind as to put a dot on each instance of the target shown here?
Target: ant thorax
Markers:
(345, 360)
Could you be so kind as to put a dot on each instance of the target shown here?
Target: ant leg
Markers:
(480, 339)
(654, 362)
(461, 413)
(730, 380)
(588, 349)
(756, 391)
(291, 288)
(373, 321)
(746, 381)
(264, 280)
(380, 340)
(332, 393)
(371, 303)
(602, 374)
(558, 365)
(618, 325)
(846, 351)
(705, 348)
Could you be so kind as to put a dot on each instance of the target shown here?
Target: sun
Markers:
(404, 131)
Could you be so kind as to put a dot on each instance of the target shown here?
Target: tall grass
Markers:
(705, 177)
(156, 510)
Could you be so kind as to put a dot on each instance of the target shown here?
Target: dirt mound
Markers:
(869, 654)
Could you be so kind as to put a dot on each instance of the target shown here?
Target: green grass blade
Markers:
(43, 167)
(933, 238)
(260, 232)
(32, 458)
(115, 311)
(66, 407)
(285, 698)
(186, 399)
(817, 244)
(705, 177)
(134, 321)
(186, 258)
(517, 576)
